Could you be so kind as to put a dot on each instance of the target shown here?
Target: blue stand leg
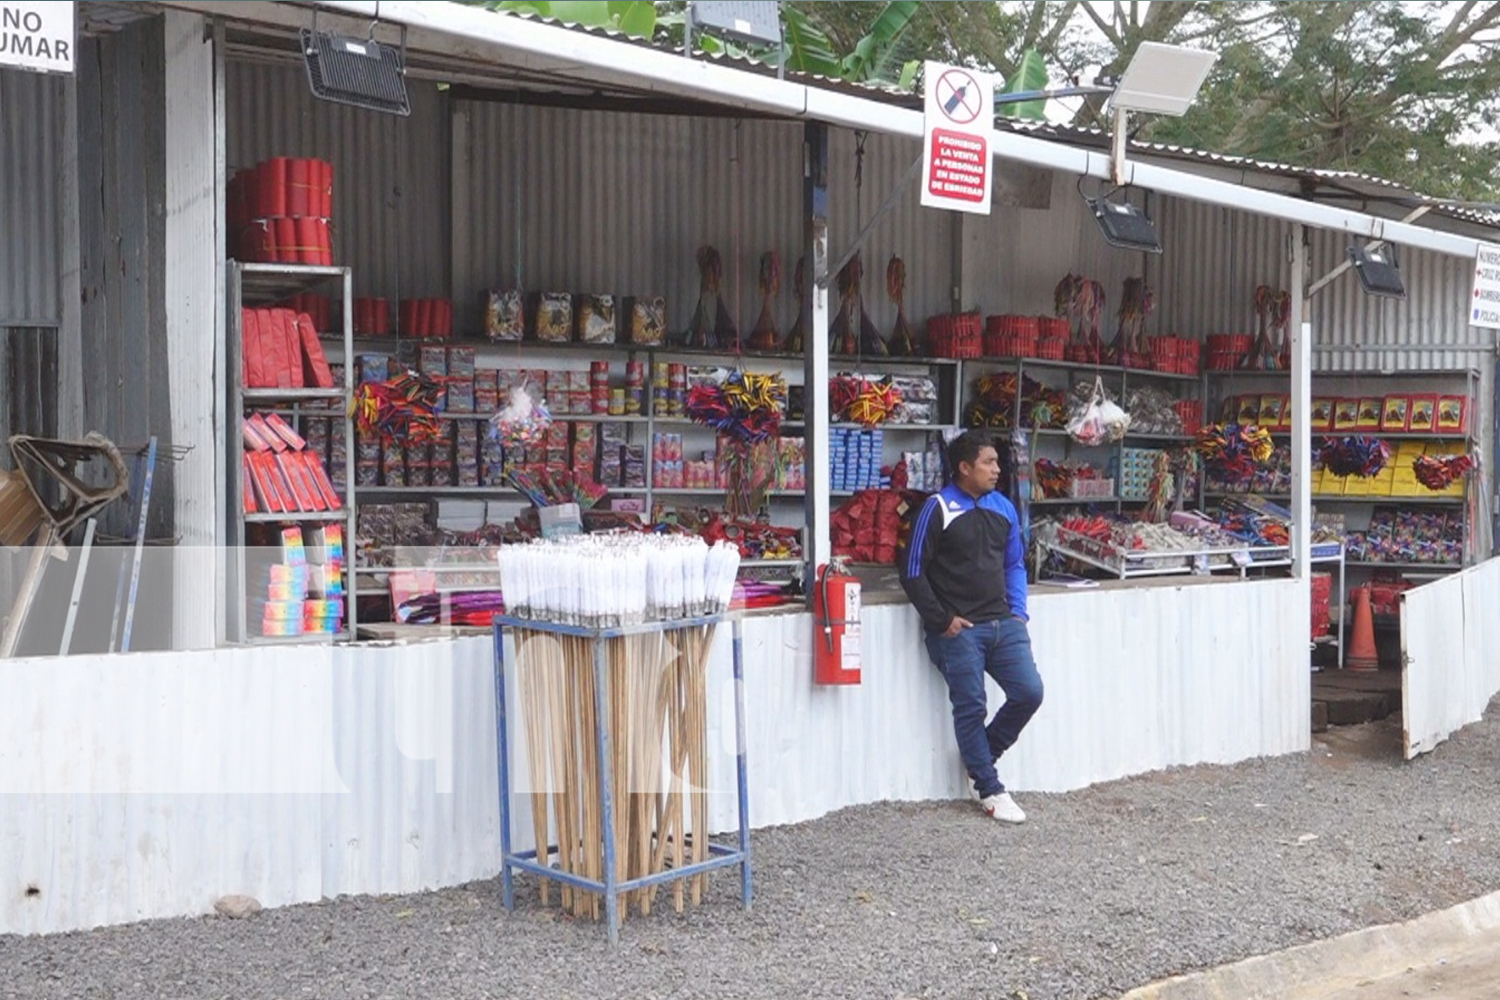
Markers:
(739, 763)
(604, 741)
(507, 876)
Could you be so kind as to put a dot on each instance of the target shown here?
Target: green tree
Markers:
(1406, 91)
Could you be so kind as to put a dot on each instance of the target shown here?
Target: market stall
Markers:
(526, 314)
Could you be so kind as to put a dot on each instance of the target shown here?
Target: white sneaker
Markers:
(1003, 808)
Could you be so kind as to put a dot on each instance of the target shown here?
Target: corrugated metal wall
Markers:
(1212, 260)
(31, 111)
(390, 185)
(175, 778)
(1014, 258)
(588, 201)
(1449, 634)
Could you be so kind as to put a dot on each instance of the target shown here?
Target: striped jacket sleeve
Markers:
(914, 562)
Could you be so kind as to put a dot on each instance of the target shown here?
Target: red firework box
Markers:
(280, 211)
(426, 318)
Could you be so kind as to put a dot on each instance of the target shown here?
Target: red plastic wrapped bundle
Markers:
(955, 335)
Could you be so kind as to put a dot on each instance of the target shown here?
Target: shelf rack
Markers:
(253, 285)
(529, 353)
(1426, 379)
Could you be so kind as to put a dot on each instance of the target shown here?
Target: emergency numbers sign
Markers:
(958, 126)
(1484, 308)
(36, 36)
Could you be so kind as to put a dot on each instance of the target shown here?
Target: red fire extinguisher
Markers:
(836, 652)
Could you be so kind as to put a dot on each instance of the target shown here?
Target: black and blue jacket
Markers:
(966, 558)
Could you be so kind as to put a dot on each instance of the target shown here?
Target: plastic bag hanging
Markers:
(1087, 425)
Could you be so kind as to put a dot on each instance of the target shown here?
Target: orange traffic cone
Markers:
(1362, 655)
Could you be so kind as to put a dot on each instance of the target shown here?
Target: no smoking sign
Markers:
(958, 126)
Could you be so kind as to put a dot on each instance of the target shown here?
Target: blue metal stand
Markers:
(610, 888)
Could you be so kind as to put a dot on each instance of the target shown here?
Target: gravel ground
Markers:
(1105, 889)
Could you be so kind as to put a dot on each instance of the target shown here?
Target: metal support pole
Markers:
(741, 781)
(604, 739)
(1301, 402)
(507, 876)
(815, 360)
(83, 568)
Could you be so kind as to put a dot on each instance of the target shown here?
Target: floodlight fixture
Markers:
(361, 73)
(1163, 79)
(1125, 226)
(1379, 273)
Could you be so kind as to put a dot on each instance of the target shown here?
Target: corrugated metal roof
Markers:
(1066, 134)
(1348, 179)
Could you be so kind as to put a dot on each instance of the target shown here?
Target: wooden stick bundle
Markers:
(657, 710)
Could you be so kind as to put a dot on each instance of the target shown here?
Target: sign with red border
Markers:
(958, 130)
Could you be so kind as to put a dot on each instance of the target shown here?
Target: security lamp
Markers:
(1124, 226)
(362, 73)
(1378, 271)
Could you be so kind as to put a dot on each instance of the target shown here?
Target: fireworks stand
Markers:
(612, 642)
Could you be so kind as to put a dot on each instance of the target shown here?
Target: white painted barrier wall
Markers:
(149, 785)
(1450, 638)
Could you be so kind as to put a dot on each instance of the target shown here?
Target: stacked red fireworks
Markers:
(280, 212)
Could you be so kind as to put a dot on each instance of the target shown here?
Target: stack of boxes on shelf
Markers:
(784, 459)
(305, 590)
(282, 475)
(924, 469)
(668, 389)
(1132, 470)
(854, 459)
(1397, 480)
(281, 350)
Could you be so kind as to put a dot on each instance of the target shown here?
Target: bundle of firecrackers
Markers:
(744, 405)
(994, 403)
(401, 409)
(1136, 303)
(754, 537)
(1272, 347)
(863, 401)
(1357, 455)
(1438, 472)
(1153, 411)
(1234, 450)
(548, 488)
(1407, 536)
(868, 528)
(1257, 526)
(1055, 479)
(1081, 301)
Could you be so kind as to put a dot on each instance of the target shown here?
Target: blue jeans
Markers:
(1003, 650)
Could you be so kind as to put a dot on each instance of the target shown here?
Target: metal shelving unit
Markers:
(256, 285)
(1116, 377)
(525, 354)
(1466, 439)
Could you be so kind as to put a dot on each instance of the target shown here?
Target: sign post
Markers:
(958, 129)
(37, 36)
(1484, 309)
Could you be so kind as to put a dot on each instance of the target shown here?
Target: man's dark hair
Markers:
(967, 446)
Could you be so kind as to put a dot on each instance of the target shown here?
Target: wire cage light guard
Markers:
(586, 656)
